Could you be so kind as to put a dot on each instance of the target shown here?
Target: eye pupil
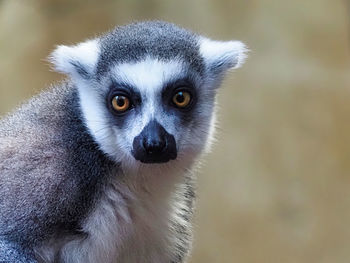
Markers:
(180, 97)
(120, 101)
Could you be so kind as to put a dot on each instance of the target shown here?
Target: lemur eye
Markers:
(120, 103)
(182, 99)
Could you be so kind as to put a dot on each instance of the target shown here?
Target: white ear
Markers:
(220, 56)
(77, 61)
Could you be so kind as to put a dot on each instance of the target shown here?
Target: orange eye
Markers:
(120, 103)
(182, 99)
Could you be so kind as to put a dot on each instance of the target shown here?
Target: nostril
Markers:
(153, 146)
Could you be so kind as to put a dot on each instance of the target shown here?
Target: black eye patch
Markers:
(171, 88)
(119, 88)
(124, 90)
(174, 87)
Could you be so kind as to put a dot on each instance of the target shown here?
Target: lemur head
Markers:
(147, 90)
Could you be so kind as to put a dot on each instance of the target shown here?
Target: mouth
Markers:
(155, 158)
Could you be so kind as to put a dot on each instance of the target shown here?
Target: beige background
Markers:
(276, 187)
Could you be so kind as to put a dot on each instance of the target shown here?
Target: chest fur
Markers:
(122, 227)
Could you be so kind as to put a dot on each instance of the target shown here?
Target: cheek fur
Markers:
(194, 134)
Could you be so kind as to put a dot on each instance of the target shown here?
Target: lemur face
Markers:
(159, 98)
(147, 90)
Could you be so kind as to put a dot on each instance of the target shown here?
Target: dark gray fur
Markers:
(45, 136)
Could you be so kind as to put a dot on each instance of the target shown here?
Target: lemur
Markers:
(99, 167)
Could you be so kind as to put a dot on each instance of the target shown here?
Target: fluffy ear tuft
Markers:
(220, 56)
(77, 61)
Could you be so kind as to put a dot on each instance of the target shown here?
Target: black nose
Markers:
(154, 144)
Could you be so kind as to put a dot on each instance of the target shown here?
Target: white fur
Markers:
(94, 112)
(231, 53)
(86, 54)
(124, 227)
(149, 75)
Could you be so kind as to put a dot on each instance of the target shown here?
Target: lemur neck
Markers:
(155, 180)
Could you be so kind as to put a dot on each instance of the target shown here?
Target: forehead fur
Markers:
(149, 74)
(157, 39)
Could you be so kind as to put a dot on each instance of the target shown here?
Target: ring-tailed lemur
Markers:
(98, 168)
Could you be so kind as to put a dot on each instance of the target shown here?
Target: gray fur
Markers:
(154, 38)
(70, 190)
(37, 141)
(12, 252)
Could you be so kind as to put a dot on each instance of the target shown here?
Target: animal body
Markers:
(99, 167)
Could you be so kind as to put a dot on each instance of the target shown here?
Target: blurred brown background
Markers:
(276, 187)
